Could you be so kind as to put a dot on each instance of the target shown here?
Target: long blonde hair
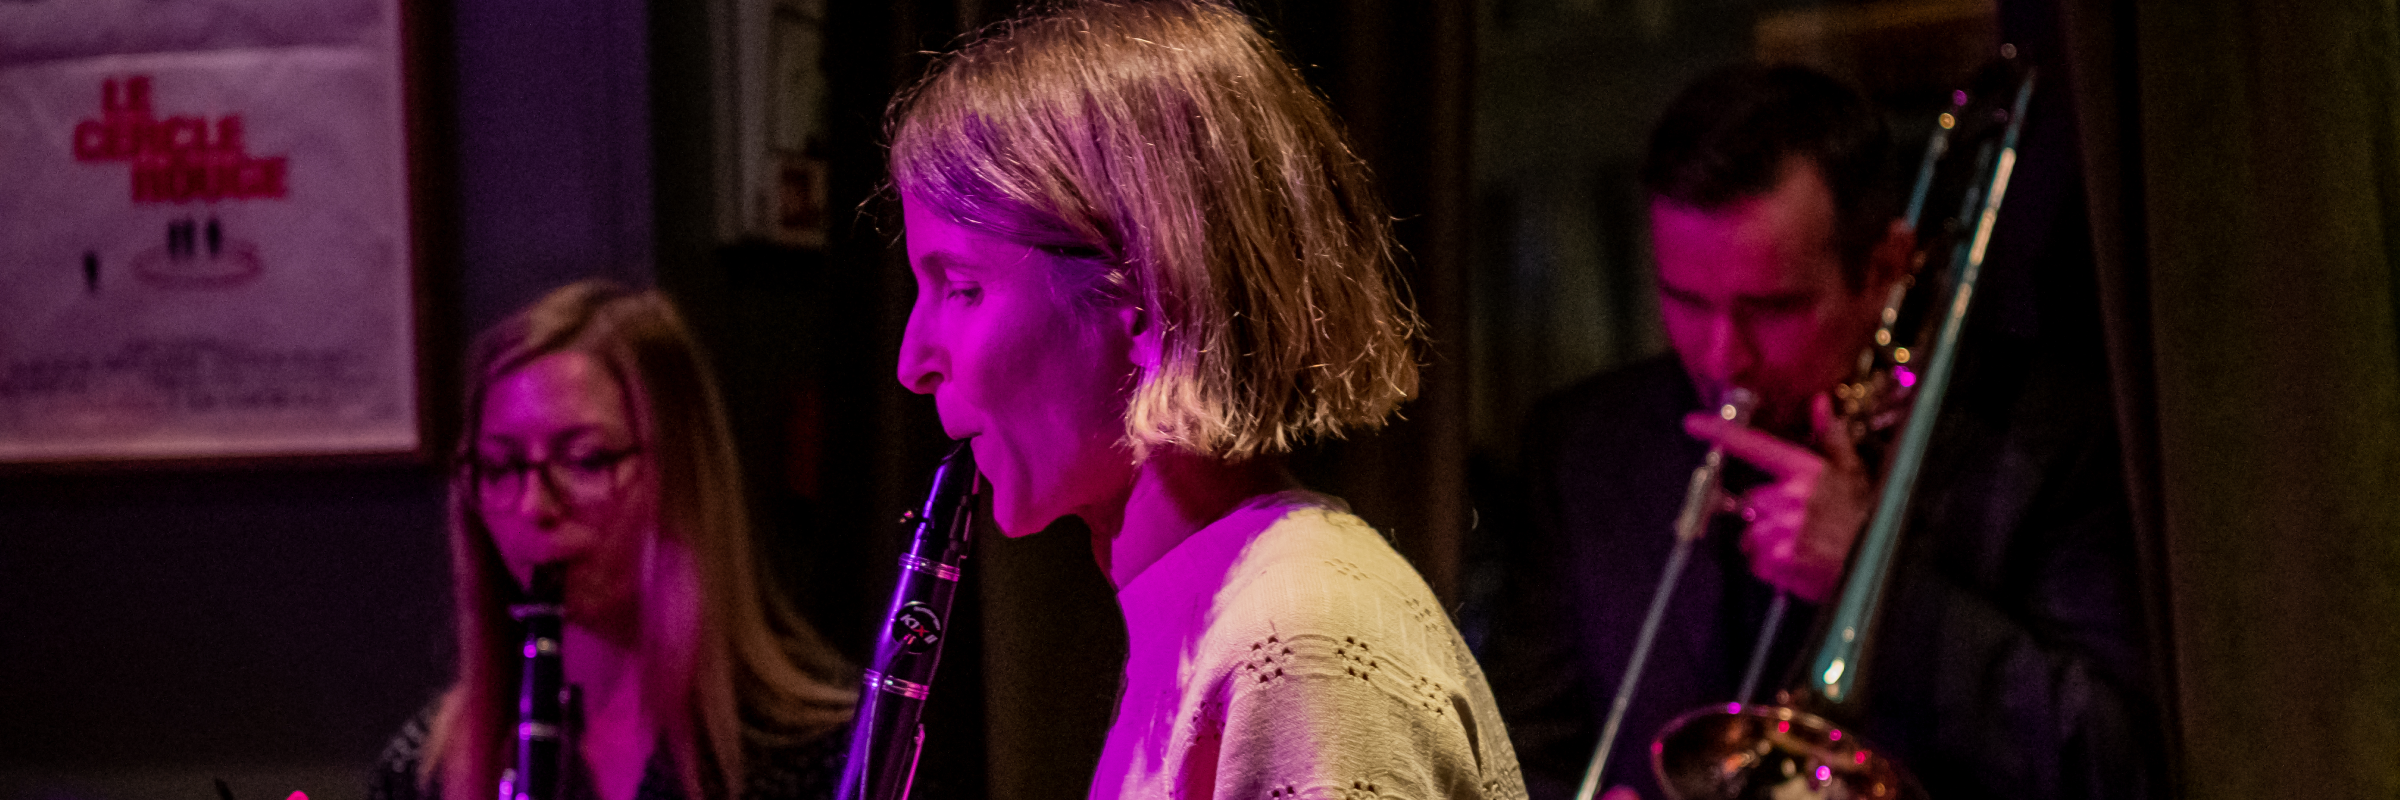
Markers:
(721, 657)
(1172, 144)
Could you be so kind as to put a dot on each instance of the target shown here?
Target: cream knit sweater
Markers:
(1286, 651)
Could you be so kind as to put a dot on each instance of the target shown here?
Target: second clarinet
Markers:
(543, 697)
(888, 735)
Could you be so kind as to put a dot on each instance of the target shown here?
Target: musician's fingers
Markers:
(1753, 534)
(1772, 541)
(1779, 565)
(1770, 560)
(1833, 435)
(1779, 458)
(1770, 523)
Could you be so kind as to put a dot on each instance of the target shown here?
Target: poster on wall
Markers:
(205, 245)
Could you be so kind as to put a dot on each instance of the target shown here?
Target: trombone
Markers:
(1791, 749)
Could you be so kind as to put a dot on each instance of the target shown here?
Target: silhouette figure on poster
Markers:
(229, 261)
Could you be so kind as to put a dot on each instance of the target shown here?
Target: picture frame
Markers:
(209, 239)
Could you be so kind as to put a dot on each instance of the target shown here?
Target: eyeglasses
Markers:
(579, 479)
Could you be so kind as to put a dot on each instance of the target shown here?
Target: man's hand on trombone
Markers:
(1800, 526)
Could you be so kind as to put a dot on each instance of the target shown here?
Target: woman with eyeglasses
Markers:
(594, 441)
(1147, 268)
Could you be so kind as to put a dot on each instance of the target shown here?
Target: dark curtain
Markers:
(2244, 163)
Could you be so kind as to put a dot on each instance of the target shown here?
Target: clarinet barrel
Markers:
(887, 736)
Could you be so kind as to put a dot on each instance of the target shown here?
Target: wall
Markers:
(272, 627)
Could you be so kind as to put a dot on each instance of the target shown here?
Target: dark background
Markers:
(272, 626)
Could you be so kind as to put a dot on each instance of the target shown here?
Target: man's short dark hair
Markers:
(1726, 137)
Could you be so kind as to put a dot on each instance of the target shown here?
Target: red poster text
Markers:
(178, 159)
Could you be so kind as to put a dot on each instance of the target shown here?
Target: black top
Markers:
(2010, 658)
(809, 770)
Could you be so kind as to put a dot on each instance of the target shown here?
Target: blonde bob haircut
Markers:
(1170, 146)
(725, 660)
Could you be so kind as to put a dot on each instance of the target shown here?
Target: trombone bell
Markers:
(1764, 752)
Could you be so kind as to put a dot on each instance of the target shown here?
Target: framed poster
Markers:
(205, 241)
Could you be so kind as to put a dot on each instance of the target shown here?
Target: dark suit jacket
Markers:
(2010, 660)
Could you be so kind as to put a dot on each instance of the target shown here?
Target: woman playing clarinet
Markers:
(595, 449)
(1148, 267)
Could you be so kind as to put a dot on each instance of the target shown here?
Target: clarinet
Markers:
(541, 692)
(887, 737)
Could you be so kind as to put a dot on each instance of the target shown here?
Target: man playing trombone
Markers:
(2009, 660)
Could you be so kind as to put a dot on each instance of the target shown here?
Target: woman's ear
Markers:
(1143, 331)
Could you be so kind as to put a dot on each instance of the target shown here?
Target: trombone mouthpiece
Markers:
(1736, 405)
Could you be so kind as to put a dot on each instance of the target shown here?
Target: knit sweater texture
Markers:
(1287, 651)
